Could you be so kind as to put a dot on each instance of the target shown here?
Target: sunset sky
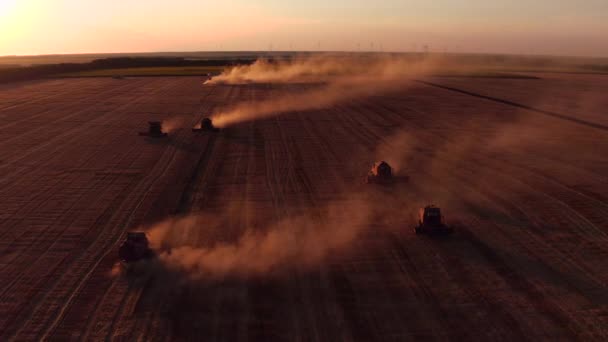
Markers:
(562, 27)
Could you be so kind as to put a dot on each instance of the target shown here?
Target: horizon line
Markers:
(307, 51)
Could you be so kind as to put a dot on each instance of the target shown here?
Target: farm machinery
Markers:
(206, 125)
(135, 248)
(381, 172)
(155, 130)
(431, 222)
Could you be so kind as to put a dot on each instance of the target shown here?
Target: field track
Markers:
(529, 194)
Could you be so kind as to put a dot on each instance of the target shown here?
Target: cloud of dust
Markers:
(302, 241)
(396, 150)
(333, 79)
(173, 123)
(452, 165)
(434, 156)
(315, 68)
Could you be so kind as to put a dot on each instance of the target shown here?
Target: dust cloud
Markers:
(332, 79)
(173, 123)
(396, 150)
(294, 242)
(306, 240)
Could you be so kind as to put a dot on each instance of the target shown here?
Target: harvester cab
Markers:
(206, 125)
(431, 221)
(381, 172)
(155, 130)
(136, 247)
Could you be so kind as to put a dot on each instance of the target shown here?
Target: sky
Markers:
(550, 27)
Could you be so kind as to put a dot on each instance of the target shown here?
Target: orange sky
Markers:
(561, 27)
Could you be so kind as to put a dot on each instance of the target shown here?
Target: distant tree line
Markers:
(602, 68)
(11, 74)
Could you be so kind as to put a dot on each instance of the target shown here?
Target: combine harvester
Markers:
(206, 125)
(382, 173)
(155, 130)
(431, 222)
(135, 248)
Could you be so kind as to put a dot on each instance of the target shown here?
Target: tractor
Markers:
(431, 222)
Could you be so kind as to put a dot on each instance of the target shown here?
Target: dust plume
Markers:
(294, 242)
(396, 150)
(331, 80)
(315, 68)
(173, 123)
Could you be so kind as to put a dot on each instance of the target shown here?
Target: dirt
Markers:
(526, 192)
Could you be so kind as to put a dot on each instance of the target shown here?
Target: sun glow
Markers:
(85, 26)
(18, 25)
(7, 7)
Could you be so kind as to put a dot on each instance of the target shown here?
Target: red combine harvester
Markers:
(155, 130)
(206, 125)
(431, 222)
(381, 173)
(135, 248)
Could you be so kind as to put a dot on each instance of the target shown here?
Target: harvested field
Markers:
(150, 71)
(528, 191)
